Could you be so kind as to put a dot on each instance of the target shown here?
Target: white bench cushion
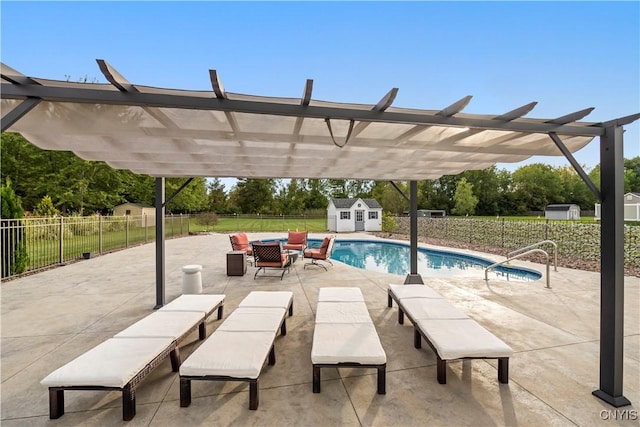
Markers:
(200, 302)
(413, 291)
(267, 299)
(172, 324)
(335, 343)
(112, 363)
(431, 308)
(254, 319)
(232, 354)
(340, 295)
(458, 338)
(342, 312)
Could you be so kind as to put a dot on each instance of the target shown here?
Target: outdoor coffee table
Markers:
(293, 255)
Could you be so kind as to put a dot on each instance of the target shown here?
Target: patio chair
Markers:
(296, 241)
(321, 254)
(270, 255)
(240, 242)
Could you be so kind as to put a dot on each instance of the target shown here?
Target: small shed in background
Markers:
(145, 214)
(354, 215)
(562, 211)
(631, 207)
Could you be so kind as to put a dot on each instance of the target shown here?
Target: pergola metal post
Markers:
(160, 264)
(612, 268)
(413, 278)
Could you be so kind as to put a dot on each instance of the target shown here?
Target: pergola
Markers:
(177, 133)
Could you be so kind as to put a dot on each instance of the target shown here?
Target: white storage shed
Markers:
(354, 215)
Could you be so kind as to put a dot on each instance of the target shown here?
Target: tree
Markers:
(191, 199)
(465, 201)
(14, 252)
(255, 195)
(486, 188)
(316, 194)
(392, 200)
(217, 198)
(536, 186)
(45, 208)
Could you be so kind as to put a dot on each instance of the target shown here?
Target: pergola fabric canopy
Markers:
(168, 132)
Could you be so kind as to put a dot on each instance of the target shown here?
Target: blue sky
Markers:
(565, 55)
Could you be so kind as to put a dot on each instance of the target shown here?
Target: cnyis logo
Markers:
(619, 414)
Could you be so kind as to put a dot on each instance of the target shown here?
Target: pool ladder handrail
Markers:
(555, 251)
(494, 265)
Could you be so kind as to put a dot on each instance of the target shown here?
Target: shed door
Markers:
(359, 220)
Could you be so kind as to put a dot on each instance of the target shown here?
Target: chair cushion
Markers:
(254, 319)
(413, 291)
(112, 363)
(172, 324)
(232, 354)
(347, 343)
(240, 242)
(342, 312)
(297, 238)
(458, 338)
(201, 302)
(325, 246)
(340, 294)
(280, 299)
(431, 308)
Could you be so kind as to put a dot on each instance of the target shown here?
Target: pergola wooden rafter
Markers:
(169, 132)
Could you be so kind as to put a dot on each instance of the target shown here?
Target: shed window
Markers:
(127, 212)
(345, 215)
(373, 215)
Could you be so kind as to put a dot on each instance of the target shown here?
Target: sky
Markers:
(567, 56)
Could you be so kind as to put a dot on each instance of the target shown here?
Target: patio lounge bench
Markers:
(450, 333)
(344, 335)
(237, 350)
(121, 362)
(116, 364)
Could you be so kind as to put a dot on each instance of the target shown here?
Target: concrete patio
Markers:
(51, 317)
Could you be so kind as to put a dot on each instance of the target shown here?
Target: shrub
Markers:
(207, 219)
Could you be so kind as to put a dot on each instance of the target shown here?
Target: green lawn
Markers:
(257, 224)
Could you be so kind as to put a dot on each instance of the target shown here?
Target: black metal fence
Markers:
(34, 243)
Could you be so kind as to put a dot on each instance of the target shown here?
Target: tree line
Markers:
(61, 182)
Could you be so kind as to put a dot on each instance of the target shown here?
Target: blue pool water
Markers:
(394, 258)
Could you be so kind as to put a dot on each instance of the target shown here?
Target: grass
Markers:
(257, 224)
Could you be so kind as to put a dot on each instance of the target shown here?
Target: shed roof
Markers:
(561, 207)
(170, 132)
(348, 203)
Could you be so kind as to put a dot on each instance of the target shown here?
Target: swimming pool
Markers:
(394, 258)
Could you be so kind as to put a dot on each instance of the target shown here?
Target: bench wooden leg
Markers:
(272, 355)
(185, 392)
(220, 312)
(503, 370)
(382, 379)
(316, 379)
(291, 309)
(400, 316)
(56, 403)
(175, 359)
(442, 371)
(389, 301)
(417, 338)
(283, 327)
(202, 330)
(254, 398)
(128, 404)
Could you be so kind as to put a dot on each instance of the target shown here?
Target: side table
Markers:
(236, 263)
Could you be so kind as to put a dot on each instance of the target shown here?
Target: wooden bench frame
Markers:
(254, 389)
(56, 393)
(418, 334)
(381, 367)
(185, 380)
